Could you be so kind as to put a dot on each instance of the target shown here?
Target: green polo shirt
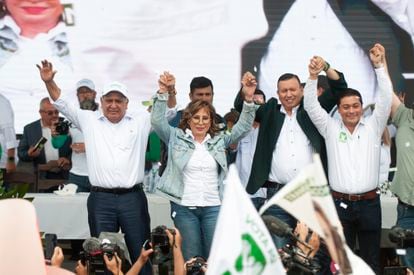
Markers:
(403, 183)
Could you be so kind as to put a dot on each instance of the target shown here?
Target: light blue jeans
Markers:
(406, 220)
(196, 225)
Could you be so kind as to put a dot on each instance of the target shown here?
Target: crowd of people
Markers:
(270, 142)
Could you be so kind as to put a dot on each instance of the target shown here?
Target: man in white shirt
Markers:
(353, 149)
(7, 137)
(115, 143)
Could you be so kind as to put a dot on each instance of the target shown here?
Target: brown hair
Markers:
(192, 108)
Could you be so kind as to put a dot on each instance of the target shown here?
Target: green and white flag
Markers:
(241, 243)
(307, 197)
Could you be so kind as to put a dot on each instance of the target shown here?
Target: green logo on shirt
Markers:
(342, 137)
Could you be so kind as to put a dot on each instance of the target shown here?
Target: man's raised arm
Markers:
(47, 74)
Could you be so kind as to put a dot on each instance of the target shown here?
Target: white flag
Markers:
(308, 199)
(241, 243)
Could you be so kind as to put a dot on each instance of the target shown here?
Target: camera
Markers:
(404, 238)
(93, 251)
(161, 245)
(195, 267)
(62, 126)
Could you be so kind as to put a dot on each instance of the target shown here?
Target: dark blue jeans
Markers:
(406, 220)
(81, 181)
(109, 212)
(196, 225)
(362, 219)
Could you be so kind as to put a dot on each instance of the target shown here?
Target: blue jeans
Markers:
(196, 225)
(81, 181)
(109, 212)
(405, 220)
(282, 215)
(362, 219)
(258, 202)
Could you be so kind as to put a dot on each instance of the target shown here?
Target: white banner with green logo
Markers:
(241, 243)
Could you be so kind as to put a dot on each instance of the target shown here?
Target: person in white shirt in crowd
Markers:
(197, 165)
(7, 137)
(245, 152)
(353, 149)
(115, 143)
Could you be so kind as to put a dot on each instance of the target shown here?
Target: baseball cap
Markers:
(85, 83)
(115, 87)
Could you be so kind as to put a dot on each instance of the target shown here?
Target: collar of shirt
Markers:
(101, 116)
(294, 110)
(188, 133)
(56, 32)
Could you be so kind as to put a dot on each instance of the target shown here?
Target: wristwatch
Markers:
(10, 159)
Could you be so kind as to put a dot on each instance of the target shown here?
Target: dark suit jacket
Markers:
(271, 121)
(366, 23)
(31, 134)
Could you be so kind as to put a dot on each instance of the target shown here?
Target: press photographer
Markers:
(297, 257)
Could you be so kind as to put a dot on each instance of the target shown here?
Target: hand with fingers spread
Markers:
(249, 86)
(46, 71)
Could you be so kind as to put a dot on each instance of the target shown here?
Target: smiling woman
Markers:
(34, 17)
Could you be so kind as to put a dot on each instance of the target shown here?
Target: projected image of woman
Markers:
(30, 31)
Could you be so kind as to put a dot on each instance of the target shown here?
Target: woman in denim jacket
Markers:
(193, 179)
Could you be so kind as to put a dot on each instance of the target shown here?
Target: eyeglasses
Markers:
(50, 113)
(200, 119)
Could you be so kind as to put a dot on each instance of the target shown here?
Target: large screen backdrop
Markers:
(134, 41)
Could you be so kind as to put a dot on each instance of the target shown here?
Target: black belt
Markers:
(370, 195)
(118, 191)
(272, 184)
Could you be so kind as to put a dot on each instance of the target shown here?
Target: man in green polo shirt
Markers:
(403, 183)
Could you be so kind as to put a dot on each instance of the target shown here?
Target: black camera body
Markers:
(62, 126)
(94, 259)
(403, 238)
(195, 267)
(161, 245)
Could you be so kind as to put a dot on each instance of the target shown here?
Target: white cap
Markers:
(115, 87)
(85, 83)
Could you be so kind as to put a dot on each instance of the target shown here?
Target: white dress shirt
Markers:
(353, 158)
(292, 152)
(308, 29)
(200, 177)
(244, 158)
(115, 151)
(7, 133)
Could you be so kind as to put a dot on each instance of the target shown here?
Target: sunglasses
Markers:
(50, 113)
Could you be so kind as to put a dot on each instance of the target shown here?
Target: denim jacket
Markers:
(181, 146)
(9, 43)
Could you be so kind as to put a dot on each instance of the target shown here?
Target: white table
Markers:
(67, 216)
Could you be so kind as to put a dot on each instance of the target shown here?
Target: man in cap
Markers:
(115, 142)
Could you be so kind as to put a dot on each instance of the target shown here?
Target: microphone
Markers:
(282, 229)
(276, 226)
(92, 246)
